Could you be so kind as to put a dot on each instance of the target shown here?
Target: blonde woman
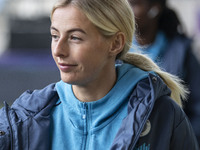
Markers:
(98, 105)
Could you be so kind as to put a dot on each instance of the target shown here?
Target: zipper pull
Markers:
(85, 106)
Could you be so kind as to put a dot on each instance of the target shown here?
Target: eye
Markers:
(76, 38)
(54, 37)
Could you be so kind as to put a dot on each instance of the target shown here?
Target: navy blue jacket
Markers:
(154, 121)
(179, 59)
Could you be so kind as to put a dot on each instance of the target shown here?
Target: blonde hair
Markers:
(178, 91)
(112, 16)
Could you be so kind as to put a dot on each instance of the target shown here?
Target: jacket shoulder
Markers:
(167, 107)
(30, 112)
(32, 102)
(169, 121)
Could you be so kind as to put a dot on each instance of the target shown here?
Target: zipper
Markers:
(133, 143)
(87, 125)
(9, 123)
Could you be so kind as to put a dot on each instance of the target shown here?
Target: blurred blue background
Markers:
(25, 53)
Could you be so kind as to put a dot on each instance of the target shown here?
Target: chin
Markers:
(73, 79)
(68, 79)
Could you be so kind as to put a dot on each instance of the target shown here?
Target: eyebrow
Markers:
(69, 31)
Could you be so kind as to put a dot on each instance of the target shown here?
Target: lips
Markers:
(66, 67)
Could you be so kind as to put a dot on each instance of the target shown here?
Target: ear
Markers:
(118, 42)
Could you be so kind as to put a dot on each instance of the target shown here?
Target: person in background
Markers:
(159, 35)
(99, 105)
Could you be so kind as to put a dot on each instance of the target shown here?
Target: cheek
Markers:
(53, 56)
(52, 47)
(93, 58)
(86, 59)
(87, 53)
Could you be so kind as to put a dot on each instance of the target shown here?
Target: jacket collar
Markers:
(139, 109)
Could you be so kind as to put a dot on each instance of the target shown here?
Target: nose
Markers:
(60, 48)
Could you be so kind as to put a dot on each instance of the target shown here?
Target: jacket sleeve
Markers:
(4, 131)
(192, 78)
(184, 135)
(170, 128)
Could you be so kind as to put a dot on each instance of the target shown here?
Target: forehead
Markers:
(68, 16)
(68, 11)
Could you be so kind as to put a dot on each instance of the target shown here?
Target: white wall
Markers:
(189, 13)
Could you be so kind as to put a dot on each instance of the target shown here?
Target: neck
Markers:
(97, 89)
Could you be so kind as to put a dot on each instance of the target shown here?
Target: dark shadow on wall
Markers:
(30, 34)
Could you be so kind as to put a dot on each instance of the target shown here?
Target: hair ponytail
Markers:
(178, 90)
